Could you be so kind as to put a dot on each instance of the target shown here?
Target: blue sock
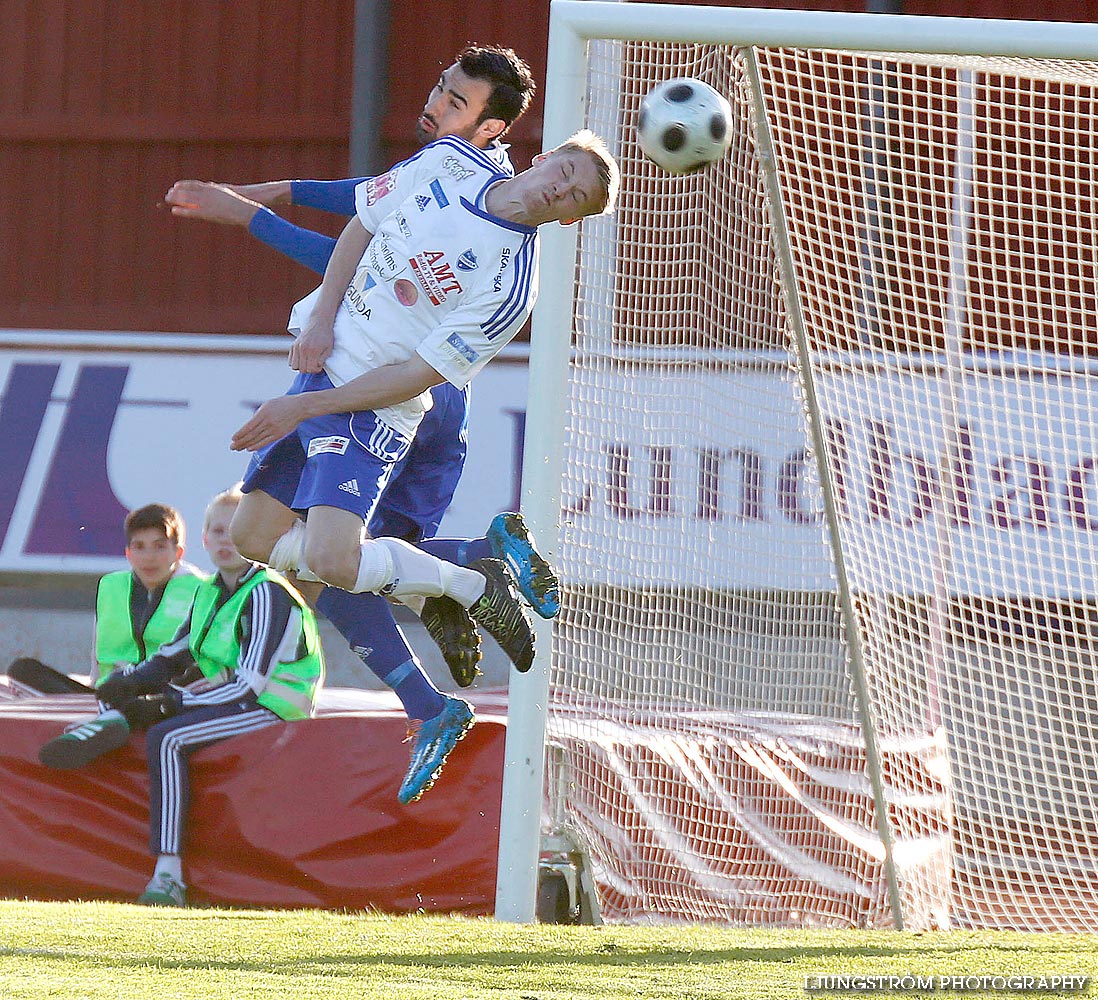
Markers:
(367, 623)
(461, 551)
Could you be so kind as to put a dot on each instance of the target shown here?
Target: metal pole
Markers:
(369, 86)
(550, 353)
(784, 254)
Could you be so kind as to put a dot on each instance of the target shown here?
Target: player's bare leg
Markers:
(258, 523)
(335, 548)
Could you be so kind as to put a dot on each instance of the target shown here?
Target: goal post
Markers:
(810, 439)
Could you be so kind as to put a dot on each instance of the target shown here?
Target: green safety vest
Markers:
(291, 687)
(116, 640)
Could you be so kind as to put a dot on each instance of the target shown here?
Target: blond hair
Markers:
(233, 495)
(585, 141)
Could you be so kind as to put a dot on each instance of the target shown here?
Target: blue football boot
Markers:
(432, 745)
(537, 583)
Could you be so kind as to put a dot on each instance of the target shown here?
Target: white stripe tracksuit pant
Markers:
(168, 744)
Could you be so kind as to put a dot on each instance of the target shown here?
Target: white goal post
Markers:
(812, 437)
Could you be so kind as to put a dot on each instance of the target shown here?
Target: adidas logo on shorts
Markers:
(351, 486)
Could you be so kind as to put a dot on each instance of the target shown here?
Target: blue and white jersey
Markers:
(441, 278)
(500, 152)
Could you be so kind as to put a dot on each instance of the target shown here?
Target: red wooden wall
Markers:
(106, 102)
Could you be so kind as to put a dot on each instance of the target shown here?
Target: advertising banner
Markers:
(983, 484)
(95, 424)
(980, 482)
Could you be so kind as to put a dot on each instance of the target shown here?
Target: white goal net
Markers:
(859, 690)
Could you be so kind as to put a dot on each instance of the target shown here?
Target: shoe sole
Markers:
(159, 899)
(429, 784)
(514, 546)
(489, 618)
(66, 754)
(464, 664)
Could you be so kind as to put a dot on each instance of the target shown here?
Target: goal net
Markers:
(827, 509)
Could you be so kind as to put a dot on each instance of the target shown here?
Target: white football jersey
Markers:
(441, 277)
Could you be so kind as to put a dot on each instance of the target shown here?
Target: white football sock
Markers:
(466, 586)
(288, 554)
(375, 568)
(416, 572)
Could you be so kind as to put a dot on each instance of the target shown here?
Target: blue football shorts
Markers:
(341, 460)
(422, 484)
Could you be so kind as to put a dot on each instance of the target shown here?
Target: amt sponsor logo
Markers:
(435, 275)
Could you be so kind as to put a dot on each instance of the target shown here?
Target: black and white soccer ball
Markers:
(684, 125)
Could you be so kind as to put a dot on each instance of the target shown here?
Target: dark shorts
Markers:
(422, 484)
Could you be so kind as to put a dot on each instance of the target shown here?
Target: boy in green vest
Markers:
(255, 642)
(138, 609)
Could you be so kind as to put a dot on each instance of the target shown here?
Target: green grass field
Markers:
(94, 950)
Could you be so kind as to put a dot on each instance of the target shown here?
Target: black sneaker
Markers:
(498, 611)
(451, 627)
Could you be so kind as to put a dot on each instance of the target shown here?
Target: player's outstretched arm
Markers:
(211, 202)
(329, 196)
(312, 249)
(336, 196)
(229, 205)
(267, 193)
(381, 387)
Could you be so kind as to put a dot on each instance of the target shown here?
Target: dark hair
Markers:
(512, 83)
(156, 515)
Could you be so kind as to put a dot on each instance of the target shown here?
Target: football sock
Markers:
(376, 570)
(413, 571)
(458, 550)
(287, 551)
(416, 572)
(465, 586)
(367, 623)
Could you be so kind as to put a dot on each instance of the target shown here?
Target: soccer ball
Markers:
(684, 125)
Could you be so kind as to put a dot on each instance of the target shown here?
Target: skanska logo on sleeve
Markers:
(462, 353)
